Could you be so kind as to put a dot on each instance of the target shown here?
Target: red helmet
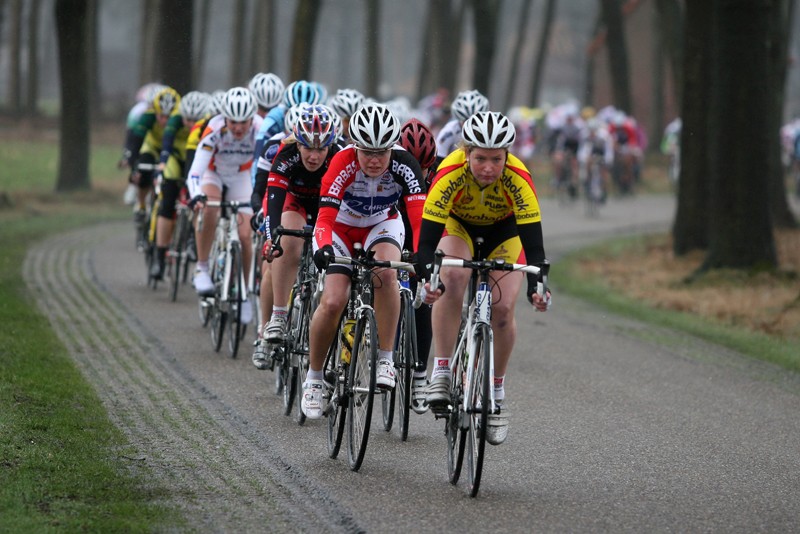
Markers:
(418, 139)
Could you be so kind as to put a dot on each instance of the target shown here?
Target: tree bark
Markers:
(201, 43)
(93, 54)
(448, 52)
(373, 54)
(618, 56)
(263, 28)
(72, 27)
(671, 15)
(15, 56)
(486, 13)
(237, 44)
(305, 28)
(657, 111)
(519, 44)
(147, 60)
(175, 29)
(424, 78)
(690, 230)
(542, 51)
(32, 94)
(740, 226)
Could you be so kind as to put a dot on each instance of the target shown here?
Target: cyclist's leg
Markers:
(284, 272)
(211, 187)
(170, 189)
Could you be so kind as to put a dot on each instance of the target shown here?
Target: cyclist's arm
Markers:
(202, 158)
(174, 124)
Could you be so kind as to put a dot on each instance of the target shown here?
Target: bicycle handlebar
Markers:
(371, 262)
(541, 271)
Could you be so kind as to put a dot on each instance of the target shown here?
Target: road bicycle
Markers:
(405, 357)
(472, 365)
(142, 226)
(594, 185)
(566, 191)
(180, 253)
(291, 356)
(224, 307)
(254, 276)
(352, 360)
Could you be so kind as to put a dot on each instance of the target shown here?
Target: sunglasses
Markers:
(373, 154)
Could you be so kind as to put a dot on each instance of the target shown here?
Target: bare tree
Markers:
(442, 46)
(72, 28)
(237, 42)
(202, 42)
(519, 44)
(305, 28)
(15, 56)
(541, 53)
(670, 24)
(175, 28)
(739, 223)
(372, 35)
(486, 14)
(617, 55)
(263, 29)
(656, 122)
(32, 94)
(93, 56)
(147, 59)
(690, 230)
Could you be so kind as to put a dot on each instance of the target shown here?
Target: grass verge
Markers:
(572, 278)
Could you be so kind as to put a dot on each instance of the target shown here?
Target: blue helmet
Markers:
(302, 91)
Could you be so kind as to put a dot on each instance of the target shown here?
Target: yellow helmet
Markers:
(166, 101)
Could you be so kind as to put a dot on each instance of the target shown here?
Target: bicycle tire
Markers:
(301, 348)
(336, 373)
(361, 387)
(406, 353)
(235, 302)
(456, 436)
(175, 255)
(218, 320)
(218, 315)
(479, 406)
(287, 369)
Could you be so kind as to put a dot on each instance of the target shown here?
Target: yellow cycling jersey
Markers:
(455, 192)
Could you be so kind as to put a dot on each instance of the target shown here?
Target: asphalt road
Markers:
(616, 425)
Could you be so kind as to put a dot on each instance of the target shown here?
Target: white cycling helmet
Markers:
(468, 103)
(338, 127)
(240, 104)
(488, 129)
(292, 116)
(267, 88)
(194, 105)
(346, 102)
(374, 127)
(217, 103)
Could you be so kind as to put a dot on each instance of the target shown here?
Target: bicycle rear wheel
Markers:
(361, 386)
(336, 411)
(456, 436)
(235, 295)
(478, 407)
(175, 255)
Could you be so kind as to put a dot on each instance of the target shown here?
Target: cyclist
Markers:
(481, 191)
(293, 196)
(346, 102)
(464, 106)
(268, 90)
(419, 141)
(223, 160)
(143, 145)
(192, 108)
(359, 197)
(565, 152)
(596, 143)
(259, 205)
(144, 102)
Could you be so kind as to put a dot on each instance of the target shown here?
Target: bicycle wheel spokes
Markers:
(361, 386)
(336, 410)
(479, 408)
(406, 353)
(235, 302)
(456, 436)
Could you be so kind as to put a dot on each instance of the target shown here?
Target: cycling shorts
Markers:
(389, 230)
(501, 239)
(170, 191)
(238, 184)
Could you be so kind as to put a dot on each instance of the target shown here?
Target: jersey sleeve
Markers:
(340, 174)
(521, 192)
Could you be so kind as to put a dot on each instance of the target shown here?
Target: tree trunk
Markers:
(780, 30)
(147, 60)
(591, 54)
(542, 51)
(740, 226)
(175, 28)
(202, 43)
(690, 230)
(424, 78)
(305, 28)
(263, 28)
(32, 94)
(93, 54)
(373, 55)
(657, 111)
(448, 51)
(618, 56)
(486, 14)
(519, 44)
(72, 27)
(671, 24)
(15, 56)
(237, 44)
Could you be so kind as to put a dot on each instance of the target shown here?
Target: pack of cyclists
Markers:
(359, 173)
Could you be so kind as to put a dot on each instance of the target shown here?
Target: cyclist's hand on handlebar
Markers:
(255, 221)
(541, 303)
(198, 202)
(271, 251)
(323, 256)
(428, 296)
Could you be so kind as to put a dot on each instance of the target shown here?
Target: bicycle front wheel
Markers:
(363, 373)
(336, 373)
(478, 407)
(406, 354)
(175, 256)
(235, 296)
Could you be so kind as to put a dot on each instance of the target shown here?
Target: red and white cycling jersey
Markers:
(351, 198)
(219, 151)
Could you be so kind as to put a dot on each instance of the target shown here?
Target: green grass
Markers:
(568, 278)
(63, 464)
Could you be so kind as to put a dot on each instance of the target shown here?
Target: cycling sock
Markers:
(386, 355)
(499, 388)
(315, 375)
(419, 374)
(441, 367)
(202, 266)
(161, 253)
(280, 311)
